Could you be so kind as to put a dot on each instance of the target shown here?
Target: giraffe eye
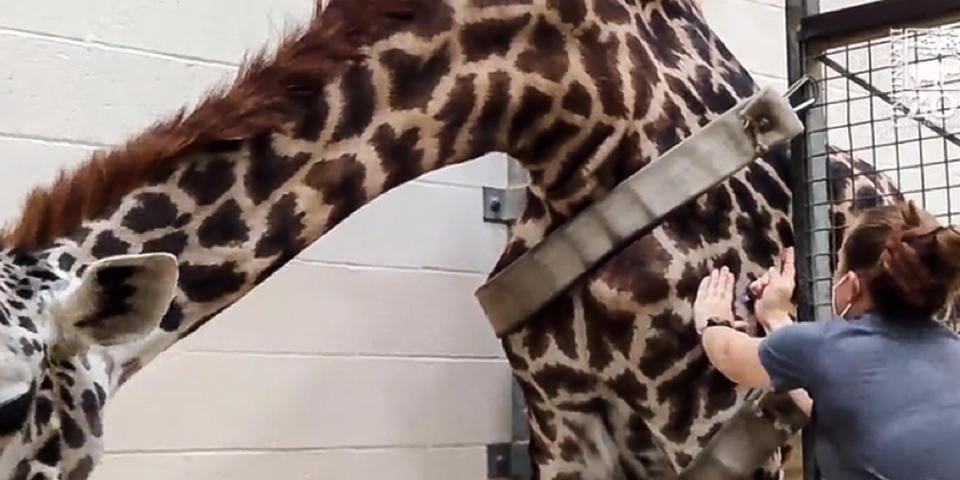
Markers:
(14, 413)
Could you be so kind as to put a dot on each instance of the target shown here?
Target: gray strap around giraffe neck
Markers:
(703, 160)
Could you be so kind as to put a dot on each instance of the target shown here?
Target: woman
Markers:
(884, 375)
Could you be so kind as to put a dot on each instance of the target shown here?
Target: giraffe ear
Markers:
(117, 300)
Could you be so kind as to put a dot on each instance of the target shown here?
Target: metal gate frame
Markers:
(809, 31)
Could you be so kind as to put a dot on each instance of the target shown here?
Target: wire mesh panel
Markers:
(886, 127)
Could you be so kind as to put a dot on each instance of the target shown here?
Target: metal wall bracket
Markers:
(511, 461)
(503, 205)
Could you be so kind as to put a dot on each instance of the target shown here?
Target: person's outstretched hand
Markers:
(774, 293)
(715, 299)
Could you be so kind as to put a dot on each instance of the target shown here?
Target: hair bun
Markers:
(907, 258)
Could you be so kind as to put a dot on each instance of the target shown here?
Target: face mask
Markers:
(833, 299)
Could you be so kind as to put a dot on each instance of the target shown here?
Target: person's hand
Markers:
(774, 291)
(715, 299)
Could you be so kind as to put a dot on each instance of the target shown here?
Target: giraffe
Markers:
(139, 247)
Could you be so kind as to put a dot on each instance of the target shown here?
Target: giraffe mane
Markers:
(267, 93)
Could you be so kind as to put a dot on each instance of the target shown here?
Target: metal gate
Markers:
(886, 78)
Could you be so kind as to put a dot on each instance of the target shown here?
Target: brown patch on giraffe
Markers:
(399, 155)
(173, 243)
(493, 37)
(152, 211)
(433, 20)
(694, 104)
(643, 75)
(207, 181)
(284, 227)
(340, 182)
(683, 459)
(682, 393)
(554, 320)
(577, 99)
(555, 378)
(108, 245)
(544, 146)
(487, 125)
(314, 119)
(785, 232)
(611, 11)
(706, 220)
(669, 340)
(22, 471)
(82, 471)
(600, 59)
(225, 226)
(547, 54)
(206, 283)
(714, 96)
(534, 105)
(413, 79)
(173, 318)
(659, 35)
(72, 434)
(91, 406)
(571, 11)
(607, 331)
(775, 194)
(570, 450)
(267, 94)
(639, 269)
(629, 389)
(720, 394)
(268, 170)
(454, 115)
(754, 225)
(669, 128)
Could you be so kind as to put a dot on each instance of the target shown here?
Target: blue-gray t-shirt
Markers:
(886, 397)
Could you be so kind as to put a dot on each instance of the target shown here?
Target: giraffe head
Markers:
(50, 322)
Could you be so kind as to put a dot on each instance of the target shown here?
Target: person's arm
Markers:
(736, 355)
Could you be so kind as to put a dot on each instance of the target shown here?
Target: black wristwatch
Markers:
(717, 322)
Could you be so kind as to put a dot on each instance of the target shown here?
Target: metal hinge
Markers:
(503, 205)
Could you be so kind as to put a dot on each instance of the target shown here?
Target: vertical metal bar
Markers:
(796, 10)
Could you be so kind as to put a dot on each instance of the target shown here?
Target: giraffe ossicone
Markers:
(370, 95)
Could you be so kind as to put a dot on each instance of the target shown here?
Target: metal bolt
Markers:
(764, 124)
(495, 205)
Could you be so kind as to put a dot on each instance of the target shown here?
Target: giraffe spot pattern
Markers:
(553, 321)
(284, 227)
(314, 119)
(206, 181)
(454, 115)
(661, 38)
(267, 170)
(670, 339)
(611, 11)
(600, 59)
(49, 453)
(358, 97)
(225, 226)
(714, 97)
(669, 128)
(644, 76)
(340, 182)
(534, 105)
(173, 318)
(14, 413)
(152, 211)
(73, 435)
(206, 283)
(485, 128)
(414, 79)
(115, 294)
(571, 11)
(400, 156)
(685, 398)
(82, 471)
(571, 165)
(608, 331)
(547, 54)
(577, 99)
(639, 269)
(91, 405)
(173, 243)
(493, 37)
(753, 225)
(556, 378)
(107, 245)
(544, 147)
(693, 104)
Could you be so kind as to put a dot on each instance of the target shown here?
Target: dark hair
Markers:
(908, 261)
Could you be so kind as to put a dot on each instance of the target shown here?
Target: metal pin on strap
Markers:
(800, 83)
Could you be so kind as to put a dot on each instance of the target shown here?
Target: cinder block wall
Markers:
(367, 357)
